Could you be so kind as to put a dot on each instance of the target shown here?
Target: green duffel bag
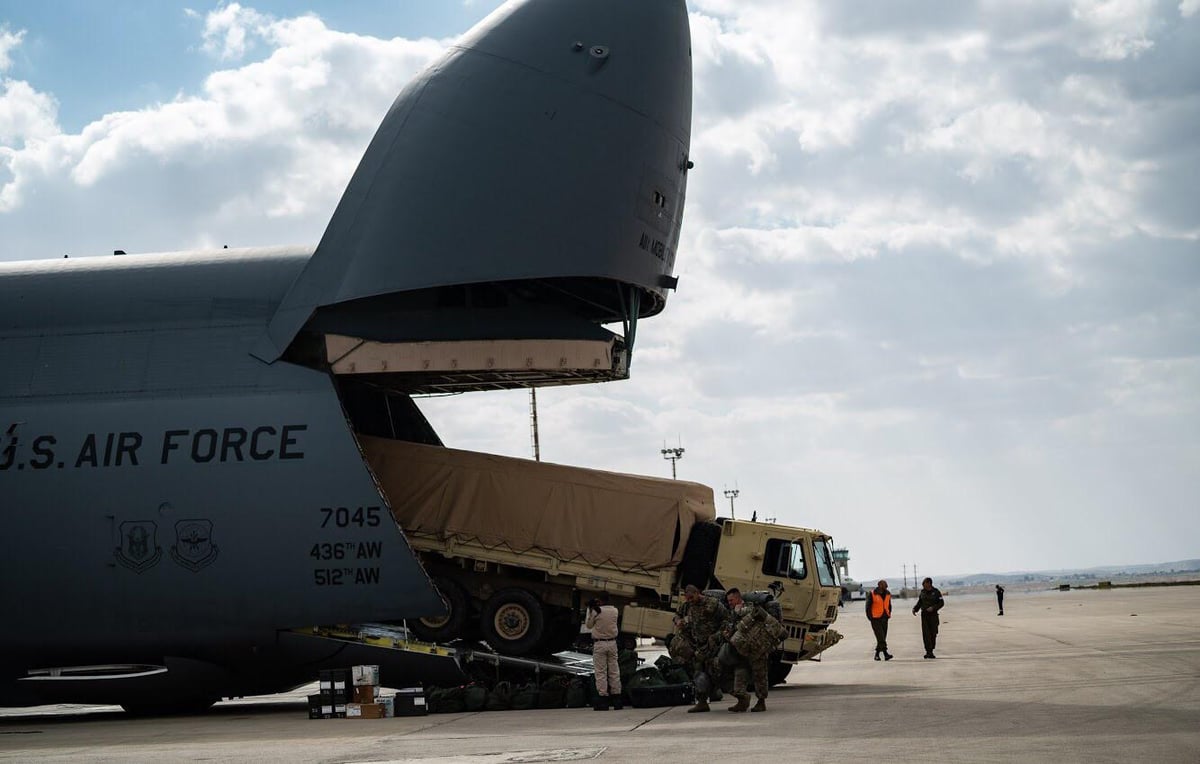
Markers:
(577, 694)
(627, 663)
(500, 697)
(647, 677)
(525, 697)
(445, 700)
(672, 672)
(553, 693)
(475, 697)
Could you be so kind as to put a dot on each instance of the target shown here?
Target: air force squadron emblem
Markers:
(194, 548)
(139, 548)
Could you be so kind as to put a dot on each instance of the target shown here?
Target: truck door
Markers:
(786, 560)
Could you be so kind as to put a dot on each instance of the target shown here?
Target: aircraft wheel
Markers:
(513, 622)
(450, 626)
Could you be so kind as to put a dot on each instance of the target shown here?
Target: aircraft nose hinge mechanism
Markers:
(631, 302)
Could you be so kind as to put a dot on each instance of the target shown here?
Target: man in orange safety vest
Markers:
(879, 610)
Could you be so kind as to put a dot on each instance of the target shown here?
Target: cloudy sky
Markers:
(940, 270)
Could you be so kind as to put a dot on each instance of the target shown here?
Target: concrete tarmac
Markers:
(1080, 676)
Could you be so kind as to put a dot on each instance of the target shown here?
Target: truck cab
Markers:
(795, 563)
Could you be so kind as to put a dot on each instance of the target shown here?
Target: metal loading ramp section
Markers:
(421, 368)
(404, 661)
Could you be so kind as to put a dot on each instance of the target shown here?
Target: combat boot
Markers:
(761, 705)
(600, 703)
(742, 706)
(701, 705)
(618, 702)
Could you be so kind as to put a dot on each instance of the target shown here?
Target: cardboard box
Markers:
(388, 704)
(365, 693)
(366, 675)
(365, 711)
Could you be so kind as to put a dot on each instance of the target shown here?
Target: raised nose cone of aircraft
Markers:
(546, 152)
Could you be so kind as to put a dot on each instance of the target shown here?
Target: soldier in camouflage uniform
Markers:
(759, 646)
(700, 620)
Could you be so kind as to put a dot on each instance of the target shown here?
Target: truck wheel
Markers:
(777, 671)
(449, 626)
(513, 622)
(699, 555)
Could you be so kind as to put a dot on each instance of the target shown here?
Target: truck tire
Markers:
(451, 626)
(777, 671)
(513, 622)
(700, 555)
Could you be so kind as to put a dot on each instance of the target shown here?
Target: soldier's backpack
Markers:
(680, 649)
(728, 657)
(500, 697)
(767, 601)
(475, 697)
(757, 634)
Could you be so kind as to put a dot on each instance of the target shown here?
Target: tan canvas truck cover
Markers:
(604, 518)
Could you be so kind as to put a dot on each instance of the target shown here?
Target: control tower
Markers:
(841, 559)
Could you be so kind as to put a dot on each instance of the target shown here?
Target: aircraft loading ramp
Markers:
(404, 661)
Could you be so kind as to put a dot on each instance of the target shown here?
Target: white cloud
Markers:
(275, 139)
(9, 40)
(229, 30)
(1116, 29)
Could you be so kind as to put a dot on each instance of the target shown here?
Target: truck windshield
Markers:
(824, 562)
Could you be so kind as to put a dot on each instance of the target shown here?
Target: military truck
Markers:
(516, 547)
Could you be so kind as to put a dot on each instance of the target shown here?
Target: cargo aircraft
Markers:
(179, 466)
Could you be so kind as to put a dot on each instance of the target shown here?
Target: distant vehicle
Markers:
(180, 466)
(516, 546)
(852, 590)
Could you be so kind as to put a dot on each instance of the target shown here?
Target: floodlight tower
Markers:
(731, 494)
(674, 455)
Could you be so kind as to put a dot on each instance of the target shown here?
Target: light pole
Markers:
(731, 494)
(674, 455)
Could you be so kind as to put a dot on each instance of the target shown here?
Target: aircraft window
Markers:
(783, 558)
(824, 563)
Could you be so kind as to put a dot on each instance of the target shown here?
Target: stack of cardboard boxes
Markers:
(354, 694)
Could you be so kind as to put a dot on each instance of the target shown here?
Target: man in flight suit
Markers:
(929, 602)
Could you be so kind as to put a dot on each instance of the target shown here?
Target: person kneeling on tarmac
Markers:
(698, 624)
(753, 633)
